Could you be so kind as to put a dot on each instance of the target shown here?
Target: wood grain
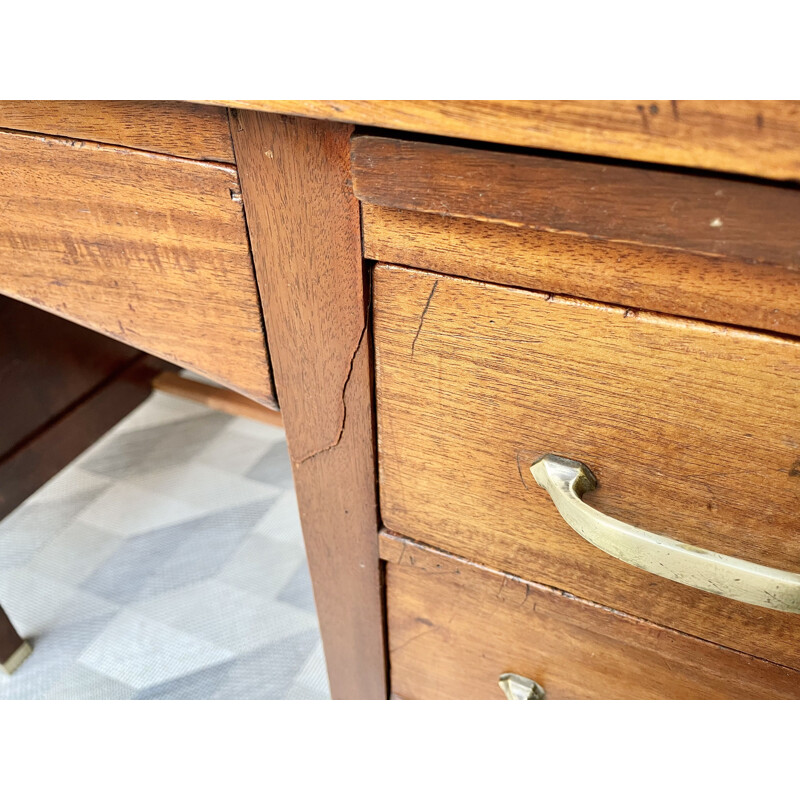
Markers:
(304, 227)
(216, 397)
(713, 216)
(753, 137)
(46, 365)
(54, 445)
(718, 289)
(690, 428)
(148, 249)
(454, 628)
(189, 130)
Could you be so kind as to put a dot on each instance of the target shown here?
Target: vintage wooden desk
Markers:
(440, 296)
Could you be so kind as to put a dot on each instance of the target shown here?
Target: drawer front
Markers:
(178, 129)
(148, 249)
(697, 246)
(454, 628)
(692, 430)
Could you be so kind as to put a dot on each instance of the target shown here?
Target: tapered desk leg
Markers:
(13, 648)
(305, 233)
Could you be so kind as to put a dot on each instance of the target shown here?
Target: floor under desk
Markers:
(166, 562)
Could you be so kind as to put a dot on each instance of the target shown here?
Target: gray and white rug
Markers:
(166, 562)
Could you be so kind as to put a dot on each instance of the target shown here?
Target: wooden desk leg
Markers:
(305, 233)
(13, 648)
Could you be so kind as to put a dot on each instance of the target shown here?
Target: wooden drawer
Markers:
(454, 628)
(146, 248)
(712, 248)
(692, 429)
(177, 129)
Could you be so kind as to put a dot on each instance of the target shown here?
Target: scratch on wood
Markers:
(676, 115)
(527, 595)
(413, 638)
(422, 317)
(502, 586)
(519, 470)
(643, 115)
(402, 553)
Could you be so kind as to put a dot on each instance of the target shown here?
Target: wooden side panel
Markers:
(753, 137)
(692, 430)
(54, 445)
(714, 216)
(454, 628)
(675, 282)
(46, 365)
(148, 249)
(304, 227)
(179, 129)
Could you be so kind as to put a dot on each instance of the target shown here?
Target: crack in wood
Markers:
(339, 435)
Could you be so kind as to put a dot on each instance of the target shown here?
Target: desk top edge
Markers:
(758, 138)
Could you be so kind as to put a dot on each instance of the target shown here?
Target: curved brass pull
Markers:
(566, 481)
(515, 687)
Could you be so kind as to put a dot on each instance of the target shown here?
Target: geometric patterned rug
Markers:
(166, 562)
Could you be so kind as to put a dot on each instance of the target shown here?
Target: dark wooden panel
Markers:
(304, 227)
(754, 137)
(705, 287)
(179, 129)
(47, 364)
(10, 640)
(454, 628)
(715, 216)
(693, 431)
(52, 447)
(148, 249)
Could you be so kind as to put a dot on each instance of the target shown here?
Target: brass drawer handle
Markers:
(515, 687)
(566, 481)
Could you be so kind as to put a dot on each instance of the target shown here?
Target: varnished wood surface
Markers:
(149, 249)
(304, 227)
(46, 365)
(216, 397)
(180, 129)
(454, 628)
(753, 137)
(709, 215)
(690, 428)
(687, 284)
(54, 445)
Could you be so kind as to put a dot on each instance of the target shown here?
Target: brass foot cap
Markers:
(16, 658)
